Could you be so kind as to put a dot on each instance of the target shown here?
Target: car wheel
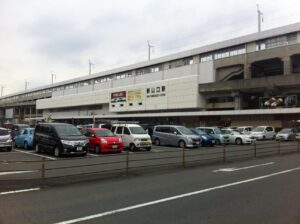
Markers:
(25, 145)
(218, 142)
(9, 149)
(57, 152)
(37, 148)
(132, 147)
(238, 141)
(157, 142)
(97, 149)
(181, 144)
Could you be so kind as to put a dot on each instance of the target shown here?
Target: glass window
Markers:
(137, 130)
(104, 133)
(119, 130)
(67, 130)
(126, 131)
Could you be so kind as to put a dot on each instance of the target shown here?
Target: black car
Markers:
(59, 139)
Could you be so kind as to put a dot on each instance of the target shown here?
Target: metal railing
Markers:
(128, 162)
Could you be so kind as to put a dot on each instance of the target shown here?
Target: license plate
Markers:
(115, 146)
(79, 148)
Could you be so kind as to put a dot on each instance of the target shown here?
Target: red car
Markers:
(102, 140)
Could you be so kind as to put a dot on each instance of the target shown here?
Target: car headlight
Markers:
(67, 142)
(137, 139)
(204, 137)
(120, 139)
(103, 141)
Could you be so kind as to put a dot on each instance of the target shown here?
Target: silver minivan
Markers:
(175, 135)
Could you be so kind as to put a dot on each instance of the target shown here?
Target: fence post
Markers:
(279, 151)
(224, 152)
(255, 150)
(183, 157)
(127, 163)
(298, 146)
(43, 168)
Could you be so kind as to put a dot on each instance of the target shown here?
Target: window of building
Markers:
(123, 75)
(276, 41)
(151, 69)
(181, 62)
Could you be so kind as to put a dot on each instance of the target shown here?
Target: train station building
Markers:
(249, 80)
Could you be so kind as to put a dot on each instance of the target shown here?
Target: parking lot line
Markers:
(17, 172)
(34, 154)
(20, 191)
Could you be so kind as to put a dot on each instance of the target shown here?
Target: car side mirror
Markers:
(175, 133)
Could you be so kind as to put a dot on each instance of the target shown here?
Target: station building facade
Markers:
(250, 80)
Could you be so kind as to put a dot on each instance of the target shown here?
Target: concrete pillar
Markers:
(237, 100)
(247, 71)
(287, 65)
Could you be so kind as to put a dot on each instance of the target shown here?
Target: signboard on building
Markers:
(278, 101)
(9, 113)
(135, 96)
(117, 97)
(156, 91)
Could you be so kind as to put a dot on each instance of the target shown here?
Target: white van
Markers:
(133, 136)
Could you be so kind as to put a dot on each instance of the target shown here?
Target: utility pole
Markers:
(149, 49)
(90, 67)
(2, 87)
(26, 85)
(260, 18)
(53, 76)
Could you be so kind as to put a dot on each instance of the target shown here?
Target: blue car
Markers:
(24, 139)
(207, 140)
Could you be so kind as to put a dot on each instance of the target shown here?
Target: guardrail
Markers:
(127, 163)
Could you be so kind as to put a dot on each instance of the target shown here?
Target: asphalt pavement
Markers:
(264, 190)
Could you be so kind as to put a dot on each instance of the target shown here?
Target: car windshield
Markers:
(225, 132)
(104, 133)
(137, 130)
(240, 129)
(185, 131)
(198, 131)
(217, 131)
(67, 130)
(31, 131)
(3, 132)
(258, 129)
(286, 130)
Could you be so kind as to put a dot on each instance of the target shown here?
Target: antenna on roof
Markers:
(2, 87)
(53, 76)
(26, 85)
(90, 67)
(260, 18)
(149, 49)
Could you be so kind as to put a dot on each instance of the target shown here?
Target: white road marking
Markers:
(93, 155)
(20, 191)
(17, 172)
(163, 200)
(34, 154)
(242, 168)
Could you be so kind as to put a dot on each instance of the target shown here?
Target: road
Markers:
(264, 190)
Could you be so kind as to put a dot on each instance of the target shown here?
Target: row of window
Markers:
(277, 41)
(229, 52)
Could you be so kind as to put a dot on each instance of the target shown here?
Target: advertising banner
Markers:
(117, 97)
(278, 101)
(135, 96)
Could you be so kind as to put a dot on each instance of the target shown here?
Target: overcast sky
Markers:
(38, 37)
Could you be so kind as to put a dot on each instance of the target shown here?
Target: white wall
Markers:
(150, 77)
(181, 71)
(207, 72)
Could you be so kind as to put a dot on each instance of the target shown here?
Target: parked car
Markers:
(24, 139)
(244, 129)
(263, 132)
(133, 136)
(103, 140)
(5, 139)
(286, 134)
(206, 139)
(175, 135)
(217, 134)
(236, 137)
(59, 139)
(17, 129)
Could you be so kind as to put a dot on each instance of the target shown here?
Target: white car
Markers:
(263, 132)
(133, 136)
(244, 129)
(236, 137)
